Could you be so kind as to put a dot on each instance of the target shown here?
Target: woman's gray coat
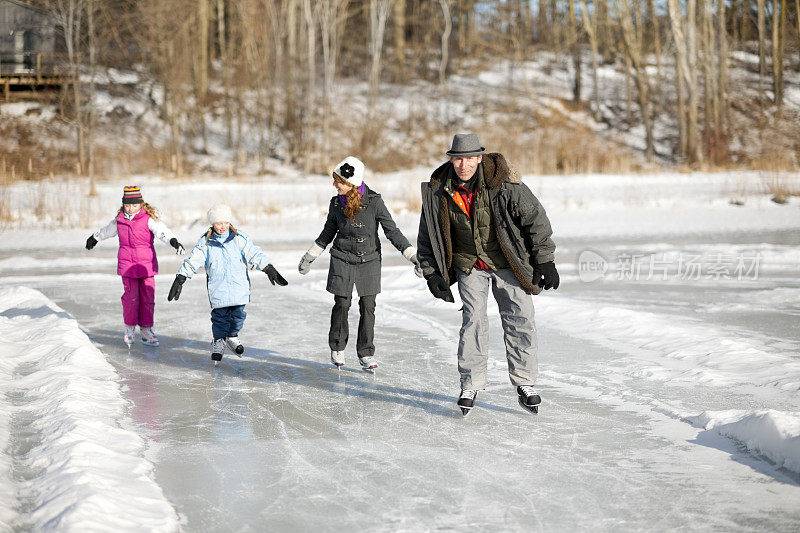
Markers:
(356, 250)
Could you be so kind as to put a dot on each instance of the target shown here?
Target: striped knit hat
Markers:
(132, 195)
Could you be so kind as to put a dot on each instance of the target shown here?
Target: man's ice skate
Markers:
(217, 349)
(368, 363)
(129, 333)
(528, 398)
(235, 346)
(149, 337)
(466, 401)
(337, 358)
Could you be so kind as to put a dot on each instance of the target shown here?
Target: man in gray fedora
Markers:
(482, 228)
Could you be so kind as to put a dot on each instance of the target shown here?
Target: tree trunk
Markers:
(723, 120)
(311, 82)
(576, 52)
(684, 35)
(448, 26)
(90, 30)
(778, 24)
(762, 53)
(378, 13)
(400, 39)
(590, 24)
(542, 26)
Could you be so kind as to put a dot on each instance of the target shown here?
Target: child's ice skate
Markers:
(235, 346)
(217, 349)
(129, 332)
(149, 336)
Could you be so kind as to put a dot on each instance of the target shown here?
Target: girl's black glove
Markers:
(439, 288)
(274, 276)
(91, 242)
(175, 290)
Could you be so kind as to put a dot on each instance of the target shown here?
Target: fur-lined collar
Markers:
(496, 170)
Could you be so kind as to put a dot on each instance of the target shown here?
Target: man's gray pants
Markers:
(519, 330)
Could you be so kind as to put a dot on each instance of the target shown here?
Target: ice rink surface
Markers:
(281, 440)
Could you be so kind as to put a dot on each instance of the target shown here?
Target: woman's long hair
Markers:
(149, 209)
(352, 198)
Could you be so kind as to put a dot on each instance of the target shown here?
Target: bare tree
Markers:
(762, 48)
(333, 14)
(684, 36)
(590, 25)
(378, 14)
(90, 118)
(627, 12)
(448, 26)
(68, 14)
(778, 32)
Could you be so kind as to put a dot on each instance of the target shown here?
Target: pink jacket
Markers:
(136, 257)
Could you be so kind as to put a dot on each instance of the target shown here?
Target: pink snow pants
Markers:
(139, 301)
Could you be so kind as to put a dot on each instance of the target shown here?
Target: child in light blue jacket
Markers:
(225, 253)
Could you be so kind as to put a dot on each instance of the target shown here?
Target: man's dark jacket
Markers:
(520, 221)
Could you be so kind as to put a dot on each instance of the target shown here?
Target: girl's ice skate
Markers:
(368, 363)
(149, 337)
(129, 332)
(337, 358)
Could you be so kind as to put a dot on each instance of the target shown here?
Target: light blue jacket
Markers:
(225, 258)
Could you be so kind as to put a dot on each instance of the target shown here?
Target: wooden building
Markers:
(29, 50)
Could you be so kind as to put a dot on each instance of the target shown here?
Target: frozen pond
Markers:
(281, 440)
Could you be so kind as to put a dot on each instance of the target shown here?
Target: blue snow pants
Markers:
(227, 321)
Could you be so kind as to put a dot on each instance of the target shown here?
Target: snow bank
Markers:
(773, 434)
(86, 472)
(671, 348)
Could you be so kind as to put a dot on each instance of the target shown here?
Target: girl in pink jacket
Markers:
(136, 225)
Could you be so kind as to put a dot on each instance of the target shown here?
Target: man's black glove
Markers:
(178, 246)
(91, 242)
(175, 290)
(274, 276)
(439, 288)
(546, 276)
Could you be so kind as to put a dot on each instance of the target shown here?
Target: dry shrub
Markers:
(6, 217)
(778, 186)
(29, 159)
(418, 142)
(553, 144)
(774, 159)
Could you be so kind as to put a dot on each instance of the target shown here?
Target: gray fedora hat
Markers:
(465, 145)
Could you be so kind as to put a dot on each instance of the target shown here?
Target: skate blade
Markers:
(150, 343)
(532, 408)
(465, 410)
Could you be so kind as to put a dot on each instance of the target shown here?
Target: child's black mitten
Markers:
(274, 276)
(175, 290)
(91, 242)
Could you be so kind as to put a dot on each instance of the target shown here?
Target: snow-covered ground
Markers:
(670, 372)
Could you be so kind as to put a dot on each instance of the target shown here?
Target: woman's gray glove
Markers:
(305, 263)
(410, 253)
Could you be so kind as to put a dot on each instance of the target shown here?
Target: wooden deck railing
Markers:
(28, 64)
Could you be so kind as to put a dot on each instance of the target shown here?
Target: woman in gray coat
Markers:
(352, 224)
